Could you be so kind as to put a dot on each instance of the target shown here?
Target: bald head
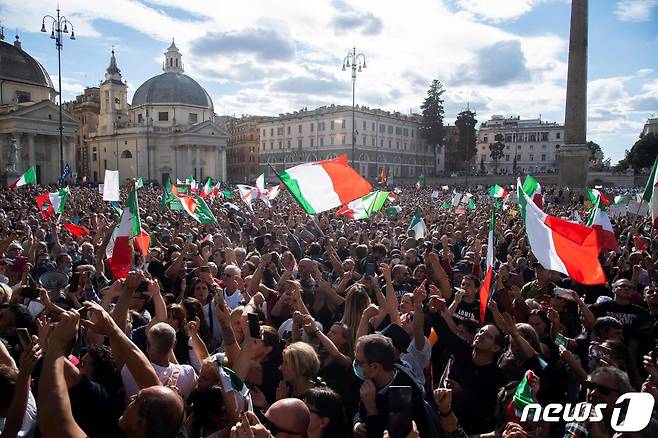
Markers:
(156, 411)
(290, 414)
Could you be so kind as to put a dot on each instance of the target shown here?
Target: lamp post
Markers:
(59, 26)
(356, 62)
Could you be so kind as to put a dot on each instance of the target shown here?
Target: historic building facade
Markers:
(242, 154)
(383, 140)
(170, 130)
(29, 119)
(85, 108)
(533, 142)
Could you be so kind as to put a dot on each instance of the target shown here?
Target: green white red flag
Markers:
(323, 185)
(485, 289)
(560, 245)
(127, 236)
(497, 191)
(362, 208)
(599, 220)
(650, 195)
(197, 208)
(29, 177)
(417, 224)
(532, 188)
(52, 203)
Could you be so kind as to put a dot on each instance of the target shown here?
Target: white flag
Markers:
(111, 185)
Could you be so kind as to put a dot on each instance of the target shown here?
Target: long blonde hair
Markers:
(356, 301)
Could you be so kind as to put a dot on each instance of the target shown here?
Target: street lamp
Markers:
(356, 62)
(59, 26)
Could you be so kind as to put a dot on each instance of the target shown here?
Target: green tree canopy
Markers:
(431, 126)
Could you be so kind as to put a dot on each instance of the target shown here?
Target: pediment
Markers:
(44, 110)
(207, 128)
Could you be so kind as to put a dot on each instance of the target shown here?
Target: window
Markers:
(485, 139)
(364, 140)
(397, 145)
(312, 126)
(382, 127)
(280, 144)
(405, 132)
(507, 157)
(381, 143)
(365, 124)
(23, 96)
(126, 154)
(373, 141)
(271, 145)
(332, 125)
(518, 146)
(342, 125)
(192, 118)
(321, 126)
(373, 126)
(264, 131)
(299, 143)
(544, 136)
(331, 140)
(507, 147)
(140, 119)
(390, 129)
(532, 157)
(398, 130)
(288, 144)
(557, 135)
(95, 153)
(532, 146)
(263, 148)
(413, 133)
(543, 146)
(312, 141)
(518, 157)
(389, 144)
(163, 116)
(105, 164)
(543, 157)
(532, 137)
(279, 131)
(299, 128)
(288, 130)
(508, 137)
(321, 141)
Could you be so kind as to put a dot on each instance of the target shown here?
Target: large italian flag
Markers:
(29, 177)
(650, 195)
(560, 245)
(362, 208)
(128, 234)
(198, 209)
(52, 203)
(599, 220)
(532, 188)
(485, 289)
(324, 185)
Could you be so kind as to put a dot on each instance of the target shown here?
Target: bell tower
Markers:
(114, 99)
(173, 59)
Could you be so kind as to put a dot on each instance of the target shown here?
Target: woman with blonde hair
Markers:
(299, 370)
(356, 301)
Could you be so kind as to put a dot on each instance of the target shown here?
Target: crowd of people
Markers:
(274, 323)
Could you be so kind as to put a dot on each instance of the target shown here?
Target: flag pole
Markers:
(286, 186)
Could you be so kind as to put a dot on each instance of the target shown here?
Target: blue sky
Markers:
(263, 57)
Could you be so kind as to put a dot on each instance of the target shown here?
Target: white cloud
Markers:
(635, 10)
(497, 10)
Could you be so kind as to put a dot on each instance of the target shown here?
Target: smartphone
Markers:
(29, 292)
(75, 280)
(400, 415)
(254, 325)
(24, 337)
(371, 268)
(561, 340)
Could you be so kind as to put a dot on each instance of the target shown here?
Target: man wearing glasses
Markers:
(621, 308)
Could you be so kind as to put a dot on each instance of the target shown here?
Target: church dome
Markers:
(16, 65)
(172, 88)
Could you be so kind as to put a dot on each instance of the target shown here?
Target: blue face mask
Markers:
(358, 371)
(68, 269)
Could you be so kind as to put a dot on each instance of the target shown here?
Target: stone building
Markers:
(29, 119)
(85, 108)
(170, 130)
(534, 143)
(242, 152)
(383, 140)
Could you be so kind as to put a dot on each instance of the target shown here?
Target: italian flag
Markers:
(139, 183)
(77, 230)
(619, 199)
(392, 211)
(29, 177)
(417, 224)
(362, 208)
(532, 188)
(497, 191)
(599, 220)
(419, 184)
(392, 196)
(169, 199)
(198, 209)
(127, 236)
(650, 195)
(52, 203)
(485, 289)
(471, 204)
(207, 188)
(560, 245)
(522, 397)
(323, 185)
(594, 193)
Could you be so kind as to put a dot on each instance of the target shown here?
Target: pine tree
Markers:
(496, 150)
(431, 127)
(466, 122)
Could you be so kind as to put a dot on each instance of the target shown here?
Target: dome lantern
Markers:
(173, 59)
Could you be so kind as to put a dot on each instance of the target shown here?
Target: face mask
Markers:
(358, 371)
(68, 269)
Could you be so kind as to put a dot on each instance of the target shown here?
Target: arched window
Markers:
(126, 154)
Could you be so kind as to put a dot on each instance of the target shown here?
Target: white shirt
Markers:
(182, 376)
(233, 300)
(417, 360)
(29, 419)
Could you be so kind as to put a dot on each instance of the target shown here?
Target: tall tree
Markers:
(465, 123)
(644, 151)
(482, 169)
(431, 127)
(497, 150)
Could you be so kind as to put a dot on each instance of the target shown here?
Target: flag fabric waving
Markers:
(207, 188)
(29, 177)
(197, 208)
(128, 234)
(522, 397)
(77, 230)
(592, 195)
(650, 195)
(599, 220)
(532, 188)
(485, 289)
(560, 245)
(497, 191)
(417, 224)
(52, 203)
(323, 185)
(419, 184)
(362, 208)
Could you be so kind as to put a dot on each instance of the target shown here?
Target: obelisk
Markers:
(574, 155)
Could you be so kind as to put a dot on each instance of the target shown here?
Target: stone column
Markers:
(197, 163)
(189, 161)
(72, 155)
(30, 149)
(222, 156)
(218, 169)
(574, 154)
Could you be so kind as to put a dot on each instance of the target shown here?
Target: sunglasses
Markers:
(605, 390)
(273, 428)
